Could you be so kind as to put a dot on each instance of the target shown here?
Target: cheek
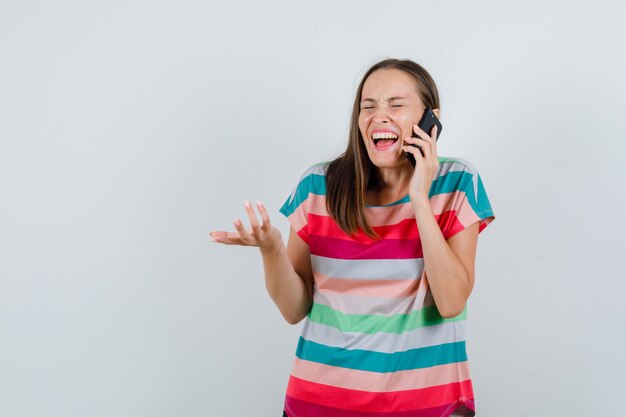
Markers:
(406, 117)
(407, 121)
(363, 135)
(363, 126)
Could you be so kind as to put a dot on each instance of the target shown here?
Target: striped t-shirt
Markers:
(374, 343)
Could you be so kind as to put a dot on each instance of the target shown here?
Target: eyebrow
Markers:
(395, 98)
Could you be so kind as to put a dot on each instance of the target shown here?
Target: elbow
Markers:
(293, 319)
(451, 311)
(295, 314)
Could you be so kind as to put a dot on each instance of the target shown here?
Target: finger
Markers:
(216, 236)
(413, 150)
(232, 241)
(244, 236)
(432, 137)
(227, 238)
(218, 233)
(427, 149)
(413, 140)
(265, 216)
(254, 222)
(428, 143)
(433, 142)
(433, 133)
(420, 132)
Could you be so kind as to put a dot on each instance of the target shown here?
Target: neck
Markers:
(393, 184)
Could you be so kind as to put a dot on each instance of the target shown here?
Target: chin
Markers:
(389, 162)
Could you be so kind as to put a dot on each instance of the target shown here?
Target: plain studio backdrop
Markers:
(130, 129)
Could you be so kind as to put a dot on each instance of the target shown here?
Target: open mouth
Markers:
(384, 140)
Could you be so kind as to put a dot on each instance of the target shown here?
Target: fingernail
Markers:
(247, 203)
(258, 203)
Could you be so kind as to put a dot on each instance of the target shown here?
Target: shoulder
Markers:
(320, 169)
(458, 176)
(312, 181)
(314, 178)
(455, 174)
(449, 164)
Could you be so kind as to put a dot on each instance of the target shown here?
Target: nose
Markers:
(381, 116)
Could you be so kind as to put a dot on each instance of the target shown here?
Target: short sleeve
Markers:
(459, 198)
(297, 207)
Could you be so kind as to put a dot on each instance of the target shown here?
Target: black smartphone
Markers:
(426, 124)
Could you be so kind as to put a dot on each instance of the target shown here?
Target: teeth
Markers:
(384, 135)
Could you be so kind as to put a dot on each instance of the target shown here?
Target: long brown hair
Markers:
(350, 175)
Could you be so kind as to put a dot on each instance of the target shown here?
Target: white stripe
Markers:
(438, 334)
(368, 268)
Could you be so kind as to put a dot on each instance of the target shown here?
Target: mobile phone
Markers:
(426, 123)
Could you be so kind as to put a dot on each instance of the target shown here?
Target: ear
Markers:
(437, 113)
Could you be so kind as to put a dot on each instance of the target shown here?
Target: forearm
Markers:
(284, 284)
(448, 280)
(286, 288)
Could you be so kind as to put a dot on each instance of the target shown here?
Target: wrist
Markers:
(274, 249)
(418, 198)
(421, 205)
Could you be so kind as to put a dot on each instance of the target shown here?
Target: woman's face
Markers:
(390, 105)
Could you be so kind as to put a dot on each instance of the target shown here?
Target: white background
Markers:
(129, 129)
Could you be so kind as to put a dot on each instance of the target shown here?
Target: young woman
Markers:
(380, 261)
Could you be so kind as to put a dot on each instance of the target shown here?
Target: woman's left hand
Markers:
(426, 165)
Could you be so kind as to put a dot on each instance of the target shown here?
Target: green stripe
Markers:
(366, 360)
(366, 323)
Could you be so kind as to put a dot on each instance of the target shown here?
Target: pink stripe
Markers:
(376, 216)
(374, 304)
(299, 408)
(484, 223)
(451, 210)
(446, 201)
(382, 249)
(298, 219)
(449, 224)
(466, 215)
(377, 382)
(370, 287)
(405, 230)
(327, 227)
(317, 204)
(382, 216)
(330, 396)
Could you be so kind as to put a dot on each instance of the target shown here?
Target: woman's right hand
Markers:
(264, 236)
